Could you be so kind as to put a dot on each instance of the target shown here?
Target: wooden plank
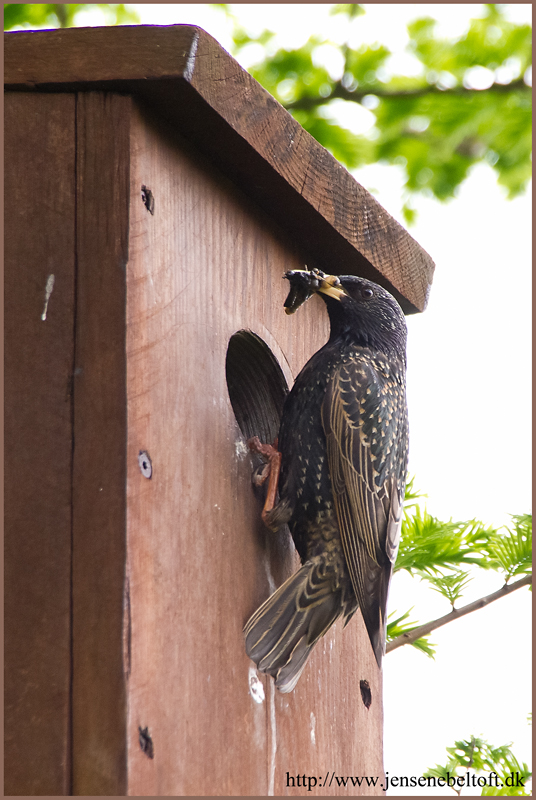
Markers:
(203, 266)
(99, 555)
(39, 353)
(191, 80)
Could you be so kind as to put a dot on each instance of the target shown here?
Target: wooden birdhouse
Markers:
(155, 196)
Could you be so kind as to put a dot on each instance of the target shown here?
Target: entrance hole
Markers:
(256, 384)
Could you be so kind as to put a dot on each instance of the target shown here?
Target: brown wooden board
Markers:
(187, 77)
(127, 594)
(203, 266)
(39, 353)
(99, 546)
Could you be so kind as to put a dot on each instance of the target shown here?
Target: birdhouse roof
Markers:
(187, 78)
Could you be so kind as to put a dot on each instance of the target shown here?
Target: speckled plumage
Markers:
(344, 444)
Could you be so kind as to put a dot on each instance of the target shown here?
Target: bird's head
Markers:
(360, 311)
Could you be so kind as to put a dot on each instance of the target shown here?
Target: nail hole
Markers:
(148, 199)
(145, 463)
(366, 694)
(256, 385)
(146, 743)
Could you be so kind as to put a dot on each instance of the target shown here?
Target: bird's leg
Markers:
(268, 451)
(270, 471)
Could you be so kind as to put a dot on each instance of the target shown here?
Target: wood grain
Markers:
(157, 617)
(205, 265)
(39, 354)
(126, 595)
(99, 503)
(188, 78)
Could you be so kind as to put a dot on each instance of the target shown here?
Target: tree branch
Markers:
(341, 93)
(61, 14)
(457, 613)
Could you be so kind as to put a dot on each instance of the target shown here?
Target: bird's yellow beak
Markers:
(304, 283)
(331, 286)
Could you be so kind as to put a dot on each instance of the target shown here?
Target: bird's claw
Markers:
(266, 450)
(269, 470)
(261, 474)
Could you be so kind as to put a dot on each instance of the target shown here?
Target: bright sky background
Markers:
(469, 399)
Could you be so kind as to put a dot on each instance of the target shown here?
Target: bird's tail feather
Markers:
(282, 632)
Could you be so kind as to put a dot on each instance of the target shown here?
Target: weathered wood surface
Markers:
(187, 77)
(120, 633)
(99, 473)
(40, 241)
(204, 266)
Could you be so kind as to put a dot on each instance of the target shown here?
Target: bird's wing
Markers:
(364, 418)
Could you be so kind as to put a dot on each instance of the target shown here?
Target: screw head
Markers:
(145, 463)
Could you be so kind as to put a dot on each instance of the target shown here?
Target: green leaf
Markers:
(352, 10)
(344, 145)
(511, 551)
(496, 764)
(29, 14)
(411, 494)
(364, 63)
(294, 66)
(488, 42)
(428, 544)
(409, 213)
(430, 123)
(450, 585)
(62, 15)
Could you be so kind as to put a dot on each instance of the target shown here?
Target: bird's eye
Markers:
(366, 293)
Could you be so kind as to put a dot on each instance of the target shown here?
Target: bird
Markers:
(336, 476)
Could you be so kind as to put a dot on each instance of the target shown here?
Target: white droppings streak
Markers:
(271, 582)
(271, 781)
(313, 727)
(48, 291)
(256, 689)
(241, 448)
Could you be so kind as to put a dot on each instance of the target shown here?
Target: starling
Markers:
(342, 445)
